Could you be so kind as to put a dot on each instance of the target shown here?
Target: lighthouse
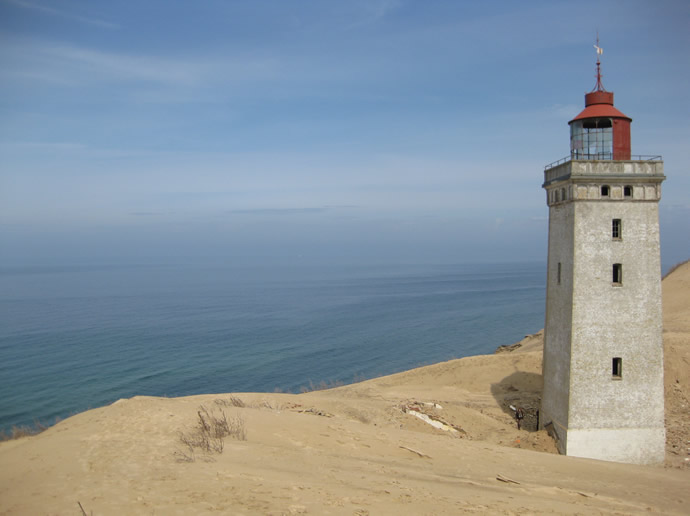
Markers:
(603, 394)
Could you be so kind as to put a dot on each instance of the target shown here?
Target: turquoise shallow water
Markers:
(73, 338)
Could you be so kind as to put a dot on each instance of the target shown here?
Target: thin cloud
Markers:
(127, 67)
(62, 14)
(66, 64)
(42, 146)
(260, 211)
(146, 213)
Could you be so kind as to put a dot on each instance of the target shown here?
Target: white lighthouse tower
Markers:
(603, 394)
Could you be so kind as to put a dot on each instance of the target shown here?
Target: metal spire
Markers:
(599, 86)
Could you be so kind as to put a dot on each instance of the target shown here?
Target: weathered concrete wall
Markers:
(616, 321)
(557, 326)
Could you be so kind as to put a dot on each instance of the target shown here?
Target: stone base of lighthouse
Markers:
(628, 445)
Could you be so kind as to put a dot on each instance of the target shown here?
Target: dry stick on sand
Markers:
(507, 480)
(422, 455)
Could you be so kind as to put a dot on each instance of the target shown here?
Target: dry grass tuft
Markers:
(209, 434)
(321, 386)
(232, 401)
(17, 432)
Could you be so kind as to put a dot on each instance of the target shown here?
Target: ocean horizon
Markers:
(79, 337)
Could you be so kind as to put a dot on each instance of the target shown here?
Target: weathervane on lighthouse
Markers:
(600, 51)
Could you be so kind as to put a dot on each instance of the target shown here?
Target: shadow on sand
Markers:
(521, 390)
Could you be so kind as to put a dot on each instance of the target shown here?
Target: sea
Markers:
(79, 337)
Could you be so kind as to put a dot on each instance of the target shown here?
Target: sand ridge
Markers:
(357, 449)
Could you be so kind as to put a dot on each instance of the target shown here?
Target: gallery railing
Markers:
(600, 156)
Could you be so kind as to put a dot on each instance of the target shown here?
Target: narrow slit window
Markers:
(617, 274)
(558, 276)
(617, 368)
(605, 191)
(616, 228)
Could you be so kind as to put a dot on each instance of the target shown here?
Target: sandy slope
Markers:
(357, 449)
(676, 304)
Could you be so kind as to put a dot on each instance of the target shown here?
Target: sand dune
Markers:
(435, 440)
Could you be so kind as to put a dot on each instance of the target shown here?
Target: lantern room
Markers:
(600, 131)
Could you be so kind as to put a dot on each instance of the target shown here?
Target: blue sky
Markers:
(309, 131)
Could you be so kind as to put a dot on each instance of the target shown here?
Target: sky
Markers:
(358, 131)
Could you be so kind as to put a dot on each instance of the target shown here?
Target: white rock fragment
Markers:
(432, 422)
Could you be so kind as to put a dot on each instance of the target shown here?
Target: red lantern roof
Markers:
(599, 104)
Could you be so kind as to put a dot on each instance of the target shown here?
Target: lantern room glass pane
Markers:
(591, 139)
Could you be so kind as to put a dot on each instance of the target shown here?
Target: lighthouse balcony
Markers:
(643, 168)
(599, 157)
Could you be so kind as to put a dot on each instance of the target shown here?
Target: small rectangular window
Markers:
(617, 274)
(617, 368)
(616, 227)
(605, 191)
